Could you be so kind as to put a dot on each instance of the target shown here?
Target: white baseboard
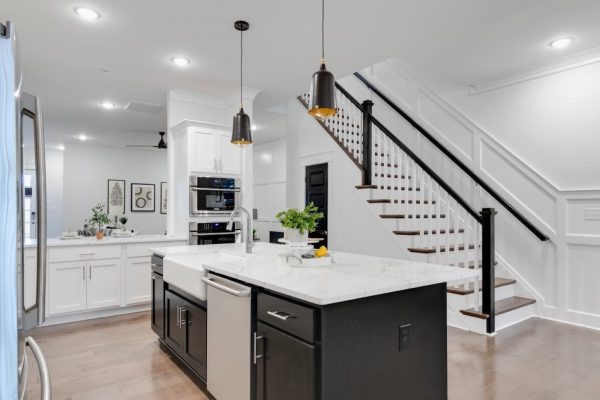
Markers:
(86, 315)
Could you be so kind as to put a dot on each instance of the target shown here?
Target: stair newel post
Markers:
(488, 259)
(367, 146)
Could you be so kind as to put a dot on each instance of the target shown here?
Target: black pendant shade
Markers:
(242, 134)
(322, 94)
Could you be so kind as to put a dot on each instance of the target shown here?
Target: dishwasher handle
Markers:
(211, 281)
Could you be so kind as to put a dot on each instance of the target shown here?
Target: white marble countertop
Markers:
(92, 241)
(351, 276)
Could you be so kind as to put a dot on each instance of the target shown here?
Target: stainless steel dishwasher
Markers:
(229, 326)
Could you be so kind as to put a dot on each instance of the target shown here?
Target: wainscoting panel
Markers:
(521, 188)
(584, 279)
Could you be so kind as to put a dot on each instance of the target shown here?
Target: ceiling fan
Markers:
(161, 143)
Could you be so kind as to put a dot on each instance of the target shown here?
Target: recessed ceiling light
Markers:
(82, 137)
(180, 61)
(87, 13)
(561, 43)
(108, 105)
(61, 147)
(253, 127)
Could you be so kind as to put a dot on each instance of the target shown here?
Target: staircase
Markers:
(428, 218)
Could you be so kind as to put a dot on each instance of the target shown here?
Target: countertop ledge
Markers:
(350, 277)
(92, 241)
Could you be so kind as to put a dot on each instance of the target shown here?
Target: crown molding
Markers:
(540, 70)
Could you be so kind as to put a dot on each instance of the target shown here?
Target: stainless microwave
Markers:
(214, 196)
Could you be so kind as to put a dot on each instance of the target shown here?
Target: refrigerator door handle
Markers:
(42, 226)
(42, 367)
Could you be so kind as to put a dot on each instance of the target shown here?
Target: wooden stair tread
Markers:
(470, 289)
(441, 249)
(502, 306)
(410, 216)
(366, 187)
(415, 233)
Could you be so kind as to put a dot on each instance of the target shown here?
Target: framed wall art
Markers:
(115, 203)
(142, 197)
(163, 197)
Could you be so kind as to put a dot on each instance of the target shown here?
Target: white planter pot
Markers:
(296, 238)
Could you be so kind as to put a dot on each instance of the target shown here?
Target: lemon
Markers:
(321, 252)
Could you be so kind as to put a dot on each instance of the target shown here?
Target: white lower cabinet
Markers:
(104, 284)
(98, 278)
(139, 287)
(66, 287)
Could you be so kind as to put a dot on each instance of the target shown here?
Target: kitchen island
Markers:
(362, 328)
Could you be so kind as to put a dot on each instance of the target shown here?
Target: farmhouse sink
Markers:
(186, 272)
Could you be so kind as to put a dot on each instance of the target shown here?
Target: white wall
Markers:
(86, 171)
(351, 227)
(269, 186)
(534, 143)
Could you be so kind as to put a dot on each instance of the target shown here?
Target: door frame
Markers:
(326, 164)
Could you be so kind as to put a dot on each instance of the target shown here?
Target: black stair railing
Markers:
(520, 217)
(485, 217)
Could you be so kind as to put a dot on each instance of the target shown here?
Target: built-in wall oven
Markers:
(202, 233)
(214, 196)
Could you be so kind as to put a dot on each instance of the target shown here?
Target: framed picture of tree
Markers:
(115, 204)
(142, 197)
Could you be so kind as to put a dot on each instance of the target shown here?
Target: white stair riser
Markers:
(429, 240)
(502, 292)
(444, 257)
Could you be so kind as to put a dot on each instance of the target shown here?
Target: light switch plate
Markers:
(591, 214)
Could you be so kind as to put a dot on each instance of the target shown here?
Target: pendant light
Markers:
(241, 135)
(322, 102)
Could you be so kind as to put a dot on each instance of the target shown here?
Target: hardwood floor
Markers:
(118, 358)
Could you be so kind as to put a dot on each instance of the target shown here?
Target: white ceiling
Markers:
(448, 42)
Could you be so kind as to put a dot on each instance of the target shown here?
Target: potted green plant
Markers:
(99, 220)
(299, 224)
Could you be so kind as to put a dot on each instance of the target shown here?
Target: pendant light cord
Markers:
(322, 30)
(241, 67)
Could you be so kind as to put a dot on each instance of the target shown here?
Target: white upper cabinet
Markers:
(204, 158)
(230, 155)
(213, 153)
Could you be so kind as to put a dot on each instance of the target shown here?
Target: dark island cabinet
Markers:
(158, 305)
(285, 366)
(185, 331)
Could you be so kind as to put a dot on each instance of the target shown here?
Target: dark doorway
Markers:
(316, 192)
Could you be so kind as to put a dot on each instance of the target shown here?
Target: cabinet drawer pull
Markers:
(281, 315)
(178, 316)
(83, 272)
(86, 254)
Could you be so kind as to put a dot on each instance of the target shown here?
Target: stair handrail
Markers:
(520, 217)
(485, 218)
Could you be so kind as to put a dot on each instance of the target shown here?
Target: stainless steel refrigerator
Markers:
(22, 287)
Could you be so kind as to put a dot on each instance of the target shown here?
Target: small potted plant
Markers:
(123, 220)
(299, 224)
(99, 219)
